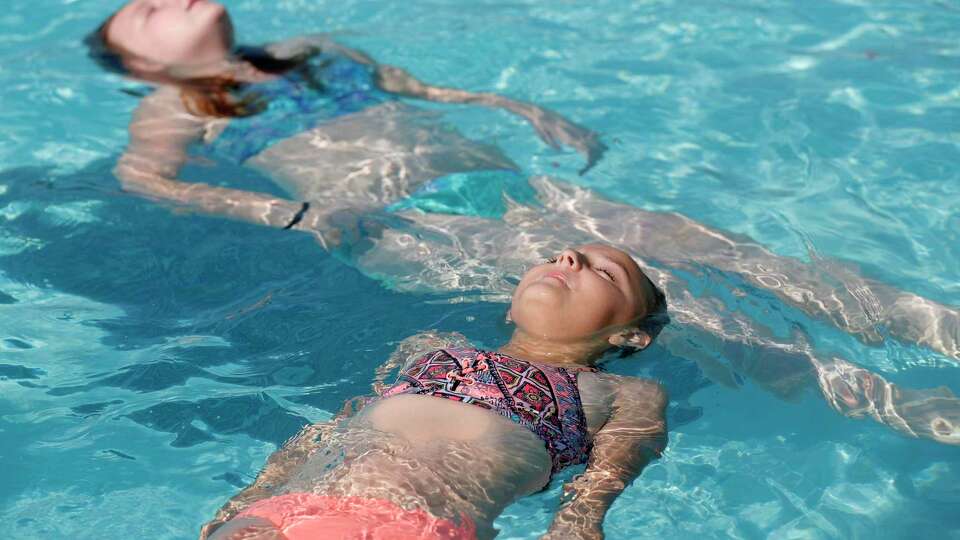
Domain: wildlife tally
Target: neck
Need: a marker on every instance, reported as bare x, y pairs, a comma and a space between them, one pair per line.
542, 350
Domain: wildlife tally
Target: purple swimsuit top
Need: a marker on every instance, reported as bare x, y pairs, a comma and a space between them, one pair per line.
543, 398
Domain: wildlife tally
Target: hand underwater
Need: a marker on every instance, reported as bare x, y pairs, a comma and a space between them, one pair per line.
555, 129
346, 228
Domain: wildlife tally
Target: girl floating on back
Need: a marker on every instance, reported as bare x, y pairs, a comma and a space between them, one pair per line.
320, 119
464, 432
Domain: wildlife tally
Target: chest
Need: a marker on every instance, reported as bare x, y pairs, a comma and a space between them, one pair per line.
542, 398
326, 88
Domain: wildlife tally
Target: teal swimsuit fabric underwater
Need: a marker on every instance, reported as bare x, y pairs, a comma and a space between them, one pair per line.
327, 86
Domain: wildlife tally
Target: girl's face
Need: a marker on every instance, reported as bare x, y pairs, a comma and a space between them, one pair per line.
172, 32
580, 294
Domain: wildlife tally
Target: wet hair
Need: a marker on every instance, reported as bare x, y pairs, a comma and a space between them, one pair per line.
653, 322
216, 96
102, 54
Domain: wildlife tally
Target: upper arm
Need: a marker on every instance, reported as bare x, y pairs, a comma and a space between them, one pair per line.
160, 132
306, 45
636, 431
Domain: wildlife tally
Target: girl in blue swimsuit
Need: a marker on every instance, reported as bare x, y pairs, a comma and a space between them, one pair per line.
464, 432
321, 119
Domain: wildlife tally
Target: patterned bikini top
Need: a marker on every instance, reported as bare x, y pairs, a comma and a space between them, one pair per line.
545, 399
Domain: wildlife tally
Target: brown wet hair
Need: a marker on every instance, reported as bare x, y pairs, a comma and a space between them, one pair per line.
653, 321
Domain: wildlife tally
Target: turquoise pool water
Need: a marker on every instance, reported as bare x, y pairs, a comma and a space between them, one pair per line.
151, 361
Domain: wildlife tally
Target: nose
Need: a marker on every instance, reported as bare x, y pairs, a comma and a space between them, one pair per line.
571, 259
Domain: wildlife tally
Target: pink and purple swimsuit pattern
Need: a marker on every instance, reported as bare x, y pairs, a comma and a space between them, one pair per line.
544, 399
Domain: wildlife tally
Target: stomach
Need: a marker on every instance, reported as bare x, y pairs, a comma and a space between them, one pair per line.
449, 458
423, 422
374, 157
422, 419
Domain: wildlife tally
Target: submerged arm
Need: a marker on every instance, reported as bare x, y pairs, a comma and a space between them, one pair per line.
159, 135
635, 435
553, 128
280, 465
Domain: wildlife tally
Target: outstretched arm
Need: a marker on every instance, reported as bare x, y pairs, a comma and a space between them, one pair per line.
159, 135
635, 434
550, 126
160, 132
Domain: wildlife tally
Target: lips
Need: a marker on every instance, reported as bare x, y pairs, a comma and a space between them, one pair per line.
559, 276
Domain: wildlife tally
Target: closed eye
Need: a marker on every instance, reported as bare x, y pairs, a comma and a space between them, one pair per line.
607, 272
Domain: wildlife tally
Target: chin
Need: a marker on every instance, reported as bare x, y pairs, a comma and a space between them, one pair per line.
541, 295
535, 310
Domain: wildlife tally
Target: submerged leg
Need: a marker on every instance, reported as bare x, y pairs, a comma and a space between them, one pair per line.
829, 290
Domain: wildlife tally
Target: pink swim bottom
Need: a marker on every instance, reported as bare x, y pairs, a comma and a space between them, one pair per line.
305, 516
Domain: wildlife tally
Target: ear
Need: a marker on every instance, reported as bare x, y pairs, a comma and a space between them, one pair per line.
633, 338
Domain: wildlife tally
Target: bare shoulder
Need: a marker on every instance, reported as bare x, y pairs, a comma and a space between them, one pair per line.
165, 99
164, 107
413, 347
425, 342
162, 119
301, 45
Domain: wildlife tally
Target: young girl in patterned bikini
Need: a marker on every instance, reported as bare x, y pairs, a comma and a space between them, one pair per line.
465, 432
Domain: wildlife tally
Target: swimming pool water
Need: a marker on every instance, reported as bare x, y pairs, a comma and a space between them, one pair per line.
151, 360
